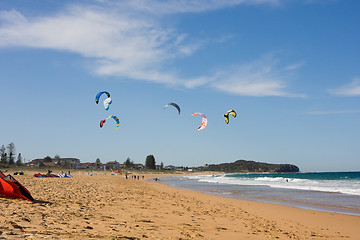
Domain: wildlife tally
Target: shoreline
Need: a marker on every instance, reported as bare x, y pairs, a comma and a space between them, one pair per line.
286, 216
112, 207
289, 214
230, 192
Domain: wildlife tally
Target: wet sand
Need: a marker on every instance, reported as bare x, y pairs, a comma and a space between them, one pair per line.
112, 207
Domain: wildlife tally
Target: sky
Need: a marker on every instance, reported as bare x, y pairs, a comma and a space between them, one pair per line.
290, 69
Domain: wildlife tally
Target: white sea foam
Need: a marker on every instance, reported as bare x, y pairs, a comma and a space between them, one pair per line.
340, 186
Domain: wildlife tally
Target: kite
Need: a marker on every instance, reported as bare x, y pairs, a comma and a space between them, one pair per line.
174, 105
226, 115
102, 122
107, 101
116, 120
10, 187
204, 121
113, 117
99, 94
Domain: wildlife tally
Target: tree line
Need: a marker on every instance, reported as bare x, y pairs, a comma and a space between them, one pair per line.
150, 162
8, 154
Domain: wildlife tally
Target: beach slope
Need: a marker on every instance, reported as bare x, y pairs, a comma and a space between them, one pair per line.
112, 207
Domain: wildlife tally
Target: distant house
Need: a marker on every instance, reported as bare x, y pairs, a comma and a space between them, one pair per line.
113, 165
48, 164
69, 162
138, 166
91, 166
36, 163
63, 162
170, 167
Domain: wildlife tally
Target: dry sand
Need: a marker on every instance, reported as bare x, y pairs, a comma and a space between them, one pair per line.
111, 207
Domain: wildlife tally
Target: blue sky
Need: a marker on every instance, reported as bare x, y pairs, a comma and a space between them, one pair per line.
290, 69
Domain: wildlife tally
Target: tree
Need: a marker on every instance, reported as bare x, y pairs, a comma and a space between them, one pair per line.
3, 155
128, 163
19, 160
47, 159
98, 161
11, 151
150, 162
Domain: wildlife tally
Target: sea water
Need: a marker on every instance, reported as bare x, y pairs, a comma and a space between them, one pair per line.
324, 191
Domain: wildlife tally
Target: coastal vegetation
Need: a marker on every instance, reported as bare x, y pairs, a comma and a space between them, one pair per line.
250, 166
150, 162
8, 160
7, 156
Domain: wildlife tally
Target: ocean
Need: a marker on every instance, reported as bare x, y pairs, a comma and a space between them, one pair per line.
337, 192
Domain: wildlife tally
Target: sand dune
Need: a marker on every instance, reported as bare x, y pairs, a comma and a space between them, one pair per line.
111, 207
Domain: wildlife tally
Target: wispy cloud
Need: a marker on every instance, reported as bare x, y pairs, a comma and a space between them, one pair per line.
295, 66
260, 78
160, 7
332, 112
119, 44
120, 41
352, 89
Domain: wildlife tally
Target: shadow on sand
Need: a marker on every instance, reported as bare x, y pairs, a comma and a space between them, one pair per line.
42, 202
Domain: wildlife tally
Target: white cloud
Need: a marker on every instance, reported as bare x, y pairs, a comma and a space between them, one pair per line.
352, 89
260, 78
119, 43
122, 42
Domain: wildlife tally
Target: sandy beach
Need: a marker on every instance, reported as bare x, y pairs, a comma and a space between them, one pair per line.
112, 207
